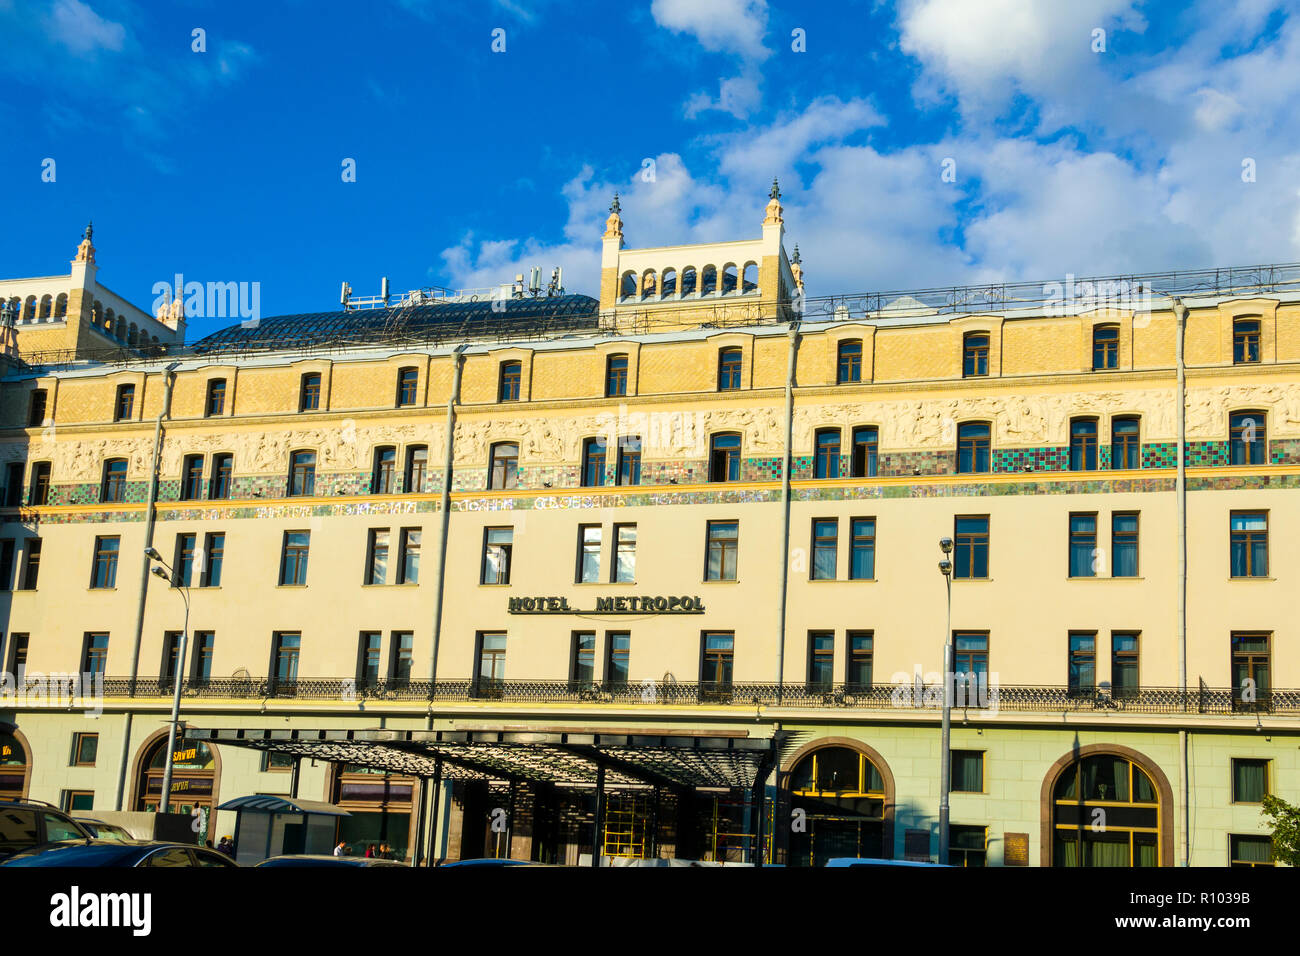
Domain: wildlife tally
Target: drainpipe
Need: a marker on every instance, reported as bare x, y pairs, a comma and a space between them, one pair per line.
1180, 312
149, 513
785, 503
458, 360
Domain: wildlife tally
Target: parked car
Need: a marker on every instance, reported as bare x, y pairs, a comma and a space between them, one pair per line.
116, 853
105, 831
856, 861
312, 859
28, 823
489, 861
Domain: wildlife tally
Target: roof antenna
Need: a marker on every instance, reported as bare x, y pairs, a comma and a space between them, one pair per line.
345, 295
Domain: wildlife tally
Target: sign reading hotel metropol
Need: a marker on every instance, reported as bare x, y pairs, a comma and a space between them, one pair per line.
642, 604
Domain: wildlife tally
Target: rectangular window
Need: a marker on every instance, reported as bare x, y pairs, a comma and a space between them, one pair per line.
967, 846
31, 564
721, 550
13, 484
383, 477
1250, 850
1105, 347
1083, 444
821, 661
214, 554
8, 549
417, 467
1125, 448
192, 478
971, 547
85, 747
503, 473
511, 377
862, 553
408, 380
491, 675
716, 667
615, 376
624, 570
1249, 781
216, 397
1124, 665
302, 473
970, 653
18, 654
40, 489
729, 363
1083, 545
114, 487
369, 657
724, 458
629, 460
94, 655
288, 646
1251, 670
1124, 544
498, 543
125, 403
171, 656
1245, 342
617, 671
1248, 538
104, 572
589, 540
1082, 664
78, 800
826, 461
975, 362
377, 557
974, 447
1247, 438
967, 771
582, 670
183, 563
825, 545
849, 364
593, 462
866, 446
858, 672
408, 558
36, 410
309, 400
219, 484
201, 664
401, 657
293, 563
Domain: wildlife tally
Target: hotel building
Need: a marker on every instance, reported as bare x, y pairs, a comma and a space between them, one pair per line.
657, 573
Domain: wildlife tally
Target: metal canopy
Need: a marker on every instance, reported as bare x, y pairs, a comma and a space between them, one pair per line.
273, 803
562, 759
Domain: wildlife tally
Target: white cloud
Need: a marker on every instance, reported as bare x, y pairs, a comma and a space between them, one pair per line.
738, 95
81, 29
720, 26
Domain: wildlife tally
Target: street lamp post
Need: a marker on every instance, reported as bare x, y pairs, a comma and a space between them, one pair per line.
945, 756
164, 802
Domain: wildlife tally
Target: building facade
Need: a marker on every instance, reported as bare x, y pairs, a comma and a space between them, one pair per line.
702, 508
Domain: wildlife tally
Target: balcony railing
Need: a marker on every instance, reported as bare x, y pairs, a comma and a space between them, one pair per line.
880, 697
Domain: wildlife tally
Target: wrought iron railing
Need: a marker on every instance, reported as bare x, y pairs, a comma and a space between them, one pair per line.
1015, 698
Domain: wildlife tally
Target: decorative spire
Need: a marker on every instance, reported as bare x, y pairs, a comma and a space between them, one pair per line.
614, 224
796, 260
86, 251
772, 216
796, 269
776, 190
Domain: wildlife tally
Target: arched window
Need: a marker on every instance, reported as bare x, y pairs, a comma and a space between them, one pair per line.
709, 280
689, 280
302, 473
729, 365
729, 278
842, 795
724, 457
649, 284
14, 768
975, 354
848, 365
29, 309
47, 304
1113, 789
1247, 438
1083, 444
627, 286
1245, 342
749, 279
133, 334
384, 473
61, 306
512, 374
1105, 347
668, 286
109, 318
194, 772
503, 470
974, 447
826, 462
408, 379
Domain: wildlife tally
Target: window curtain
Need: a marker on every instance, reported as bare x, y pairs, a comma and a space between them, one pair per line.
1248, 782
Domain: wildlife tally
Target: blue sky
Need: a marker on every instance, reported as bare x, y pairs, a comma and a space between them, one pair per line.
225, 165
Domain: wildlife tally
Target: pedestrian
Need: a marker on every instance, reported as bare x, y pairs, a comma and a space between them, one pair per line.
384, 852
370, 851
226, 846
341, 849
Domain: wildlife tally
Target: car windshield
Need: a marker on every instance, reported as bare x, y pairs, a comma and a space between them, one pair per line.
107, 831
74, 854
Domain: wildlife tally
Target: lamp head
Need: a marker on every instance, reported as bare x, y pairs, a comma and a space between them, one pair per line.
152, 554
161, 573
945, 545
945, 567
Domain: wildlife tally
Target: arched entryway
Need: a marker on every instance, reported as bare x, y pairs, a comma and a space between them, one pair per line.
195, 772
15, 766
380, 805
841, 801
1104, 805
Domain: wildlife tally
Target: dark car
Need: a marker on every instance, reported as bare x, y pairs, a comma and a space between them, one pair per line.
25, 824
311, 859
116, 853
105, 831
